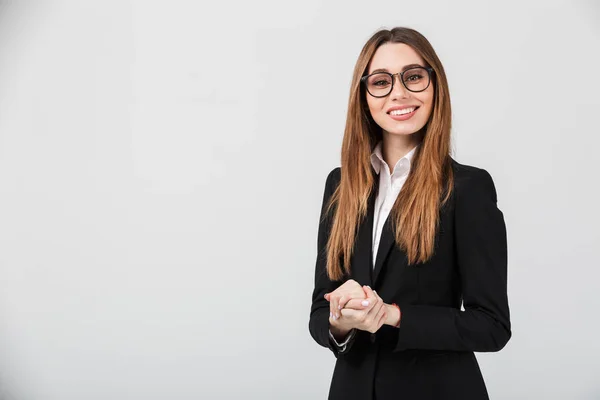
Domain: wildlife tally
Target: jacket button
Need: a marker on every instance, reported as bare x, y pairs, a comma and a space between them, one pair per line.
373, 337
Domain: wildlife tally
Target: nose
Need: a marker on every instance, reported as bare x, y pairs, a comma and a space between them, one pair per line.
398, 89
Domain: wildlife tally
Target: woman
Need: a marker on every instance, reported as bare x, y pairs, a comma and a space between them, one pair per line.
406, 235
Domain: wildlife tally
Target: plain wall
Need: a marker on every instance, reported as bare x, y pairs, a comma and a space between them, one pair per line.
162, 162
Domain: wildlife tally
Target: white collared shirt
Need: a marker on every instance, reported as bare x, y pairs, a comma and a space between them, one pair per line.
389, 188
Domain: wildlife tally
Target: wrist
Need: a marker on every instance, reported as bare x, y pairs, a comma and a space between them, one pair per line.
338, 332
394, 315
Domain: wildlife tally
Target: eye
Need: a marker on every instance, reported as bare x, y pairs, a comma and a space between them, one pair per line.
413, 78
381, 83
379, 80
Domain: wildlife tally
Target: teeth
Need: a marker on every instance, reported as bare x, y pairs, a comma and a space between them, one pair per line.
403, 111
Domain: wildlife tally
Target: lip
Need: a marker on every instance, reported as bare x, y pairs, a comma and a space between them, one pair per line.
400, 108
403, 117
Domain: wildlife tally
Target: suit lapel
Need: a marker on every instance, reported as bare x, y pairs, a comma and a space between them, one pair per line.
363, 264
363, 270
385, 244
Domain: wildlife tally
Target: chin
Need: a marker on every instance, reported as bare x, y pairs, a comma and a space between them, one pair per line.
402, 128
404, 131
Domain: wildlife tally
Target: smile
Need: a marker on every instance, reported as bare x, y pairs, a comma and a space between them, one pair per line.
403, 114
403, 111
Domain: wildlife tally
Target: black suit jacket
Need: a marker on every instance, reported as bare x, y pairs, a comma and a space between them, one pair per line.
431, 355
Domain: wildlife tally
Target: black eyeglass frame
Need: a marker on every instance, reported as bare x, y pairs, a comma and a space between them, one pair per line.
401, 77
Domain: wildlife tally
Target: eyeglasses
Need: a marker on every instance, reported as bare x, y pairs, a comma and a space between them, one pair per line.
380, 84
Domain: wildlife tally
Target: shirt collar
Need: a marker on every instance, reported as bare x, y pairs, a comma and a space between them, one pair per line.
377, 158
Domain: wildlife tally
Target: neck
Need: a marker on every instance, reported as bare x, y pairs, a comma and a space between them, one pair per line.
394, 147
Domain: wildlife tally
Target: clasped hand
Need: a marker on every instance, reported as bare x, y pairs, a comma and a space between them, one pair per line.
354, 306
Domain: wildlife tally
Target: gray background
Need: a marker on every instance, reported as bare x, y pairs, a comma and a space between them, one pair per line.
162, 162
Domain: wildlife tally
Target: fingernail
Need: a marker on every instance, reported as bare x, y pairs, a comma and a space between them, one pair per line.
369, 286
339, 307
335, 317
330, 315
365, 303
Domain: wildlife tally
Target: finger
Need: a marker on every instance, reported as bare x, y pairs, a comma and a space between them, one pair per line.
378, 298
374, 319
332, 321
363, 319
374, 302
344, 300
370, 295
330, 299
357, 304
334, 314
372, 316
369, 292
331, 309
350, 314
327, 295
358, 318
333, 305
337, 309
381, 319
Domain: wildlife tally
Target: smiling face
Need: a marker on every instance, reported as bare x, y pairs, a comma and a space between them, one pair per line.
393, 58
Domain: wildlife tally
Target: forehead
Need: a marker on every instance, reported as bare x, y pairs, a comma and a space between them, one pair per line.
393, 57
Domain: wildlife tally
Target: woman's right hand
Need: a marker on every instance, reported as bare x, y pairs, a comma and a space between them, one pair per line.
340, 327
370, 315
339, 297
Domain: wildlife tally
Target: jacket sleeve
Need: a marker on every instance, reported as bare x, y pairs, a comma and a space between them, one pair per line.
319, 312
481, 256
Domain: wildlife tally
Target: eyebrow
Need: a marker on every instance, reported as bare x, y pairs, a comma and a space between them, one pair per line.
403, 68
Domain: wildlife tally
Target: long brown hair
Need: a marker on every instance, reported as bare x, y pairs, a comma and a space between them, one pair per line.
415, 214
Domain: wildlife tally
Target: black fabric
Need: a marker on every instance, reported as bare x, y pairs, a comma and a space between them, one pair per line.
431, 355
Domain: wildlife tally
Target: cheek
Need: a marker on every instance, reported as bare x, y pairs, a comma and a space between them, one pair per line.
427, 101
375, 105
429, 97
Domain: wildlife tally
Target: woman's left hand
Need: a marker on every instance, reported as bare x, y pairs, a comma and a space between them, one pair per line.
369, 317
393, 314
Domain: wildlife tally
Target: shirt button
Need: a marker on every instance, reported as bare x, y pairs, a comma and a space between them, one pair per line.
373, 338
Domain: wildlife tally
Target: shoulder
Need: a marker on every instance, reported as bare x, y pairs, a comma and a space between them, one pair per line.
473, 182
331, 183
333, 179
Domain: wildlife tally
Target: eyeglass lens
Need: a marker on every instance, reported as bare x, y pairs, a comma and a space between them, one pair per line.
414, 79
